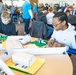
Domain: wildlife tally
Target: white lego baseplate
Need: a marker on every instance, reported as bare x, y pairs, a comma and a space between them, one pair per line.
23, 59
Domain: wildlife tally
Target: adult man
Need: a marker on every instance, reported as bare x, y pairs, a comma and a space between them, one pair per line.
27, 14
2, 8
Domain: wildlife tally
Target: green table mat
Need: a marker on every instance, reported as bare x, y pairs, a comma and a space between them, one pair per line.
3, 38
39, 44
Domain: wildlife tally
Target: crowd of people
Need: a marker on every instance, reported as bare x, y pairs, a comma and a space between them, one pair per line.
58, 21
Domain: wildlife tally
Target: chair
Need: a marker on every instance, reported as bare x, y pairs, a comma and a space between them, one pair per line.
74, 24
72, 20
38, 30
17, 32
15, 18
72, 51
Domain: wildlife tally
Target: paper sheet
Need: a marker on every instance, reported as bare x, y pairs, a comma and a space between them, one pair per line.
6, 68
9, 44
5, 55
13, 44
40, 51
14, 37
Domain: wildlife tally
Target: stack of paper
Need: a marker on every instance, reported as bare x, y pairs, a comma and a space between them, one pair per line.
32, 69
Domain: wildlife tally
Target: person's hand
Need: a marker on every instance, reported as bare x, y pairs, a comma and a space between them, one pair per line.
50, 43
56, 44
32, 19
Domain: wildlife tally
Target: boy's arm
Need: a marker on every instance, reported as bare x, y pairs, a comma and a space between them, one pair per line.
0, 27
13, 31
56, 44
51, 41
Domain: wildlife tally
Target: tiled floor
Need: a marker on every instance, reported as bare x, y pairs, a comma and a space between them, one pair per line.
20, 28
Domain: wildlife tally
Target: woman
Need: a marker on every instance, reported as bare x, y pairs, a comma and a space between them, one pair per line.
49, 16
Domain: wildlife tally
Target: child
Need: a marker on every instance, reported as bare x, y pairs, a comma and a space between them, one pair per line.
6, 26
64, 33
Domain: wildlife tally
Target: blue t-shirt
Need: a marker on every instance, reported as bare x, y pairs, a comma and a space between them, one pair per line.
12, 9
25, 10
35, 10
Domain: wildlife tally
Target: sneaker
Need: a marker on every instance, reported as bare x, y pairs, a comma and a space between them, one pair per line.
24, 33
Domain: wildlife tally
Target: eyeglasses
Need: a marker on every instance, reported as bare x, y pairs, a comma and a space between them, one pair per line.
55, 25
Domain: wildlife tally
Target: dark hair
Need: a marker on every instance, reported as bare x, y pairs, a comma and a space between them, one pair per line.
67, 11
0, 0
61, 16
45, 8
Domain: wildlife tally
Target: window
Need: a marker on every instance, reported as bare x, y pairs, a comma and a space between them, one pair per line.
18, 3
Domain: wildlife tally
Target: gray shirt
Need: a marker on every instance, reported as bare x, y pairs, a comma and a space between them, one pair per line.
2, 7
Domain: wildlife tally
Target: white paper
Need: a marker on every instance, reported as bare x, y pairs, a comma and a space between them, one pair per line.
40, 51
14, 37
5, 57
10, 44
25, 39
6, 68
23, 59
1, 46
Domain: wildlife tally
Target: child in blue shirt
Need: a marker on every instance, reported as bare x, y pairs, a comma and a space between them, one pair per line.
27, 15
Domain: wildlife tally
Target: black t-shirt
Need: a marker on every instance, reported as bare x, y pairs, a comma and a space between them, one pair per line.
41, 17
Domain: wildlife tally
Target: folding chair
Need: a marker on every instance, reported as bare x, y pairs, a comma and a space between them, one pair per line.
15, 19
38, 30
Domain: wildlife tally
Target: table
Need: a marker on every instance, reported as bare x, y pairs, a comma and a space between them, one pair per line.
57, 64
54, 65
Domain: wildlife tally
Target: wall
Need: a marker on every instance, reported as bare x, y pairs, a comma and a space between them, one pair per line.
56, 1
20, 2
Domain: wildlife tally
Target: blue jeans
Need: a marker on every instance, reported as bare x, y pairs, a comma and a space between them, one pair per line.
26, 28
49, 31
